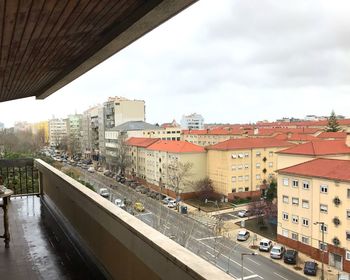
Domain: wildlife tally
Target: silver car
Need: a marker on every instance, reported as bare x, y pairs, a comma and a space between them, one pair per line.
277, 252
243, 235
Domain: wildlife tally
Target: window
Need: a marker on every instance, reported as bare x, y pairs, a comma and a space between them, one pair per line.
305, 239
347, 255
240, 166
270, 164
322, 246
234, 156
285, 216
348, 235
285, 182
240, 155
348, 193
258, 177
348, 214
246, 177
246, 189
306, 185
323, 228
305, 222
240, 189
234, 167
270, 154
246, 166
258, 154
246, 155
285, 232
294, 236
285, 199
295, 201
258, 165
323, 208
295, 219
233, 178
295, 183
234, 190
305, 203
324, 189
240, 178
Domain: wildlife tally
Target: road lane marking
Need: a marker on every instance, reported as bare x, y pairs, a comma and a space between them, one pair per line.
280, 276
208, 238
213, 256
253, 261
252, 276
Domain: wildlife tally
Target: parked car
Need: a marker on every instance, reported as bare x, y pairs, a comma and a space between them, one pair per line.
104, 192
91, 169
106, 172
244, 213
172, 204
290, 257
144, 190
166, 200
265, 245
310, 268
277, 252
243, 235
139, 188
138, 206
120, 203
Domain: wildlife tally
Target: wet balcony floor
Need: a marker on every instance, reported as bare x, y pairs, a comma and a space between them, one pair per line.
38, 247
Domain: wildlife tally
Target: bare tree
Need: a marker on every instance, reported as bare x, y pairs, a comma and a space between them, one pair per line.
122, 159
179, 175
204, 188
258, 208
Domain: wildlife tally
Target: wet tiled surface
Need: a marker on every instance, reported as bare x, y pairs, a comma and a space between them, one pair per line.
38, 249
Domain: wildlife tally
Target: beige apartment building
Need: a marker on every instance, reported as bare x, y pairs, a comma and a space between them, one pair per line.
239, 167
207, 137
138, 155
163, 133
314, 200
336, 149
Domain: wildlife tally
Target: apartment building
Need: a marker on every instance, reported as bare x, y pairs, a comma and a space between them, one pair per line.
240, 167
314, 210
164, 133
74, 131
192, 121
57, 132
138, 155
337, 149
207, 137
41, 128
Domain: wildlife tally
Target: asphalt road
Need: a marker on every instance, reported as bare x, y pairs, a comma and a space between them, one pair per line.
195, 236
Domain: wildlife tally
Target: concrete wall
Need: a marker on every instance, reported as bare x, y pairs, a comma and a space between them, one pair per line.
125, 247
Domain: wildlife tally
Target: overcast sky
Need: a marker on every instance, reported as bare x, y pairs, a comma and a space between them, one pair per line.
234, 61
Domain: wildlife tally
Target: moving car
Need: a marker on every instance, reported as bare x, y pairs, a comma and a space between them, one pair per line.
138, 206
243, 213
290, 257
277, 252
265, 245
243, 235
310, 268
120, 203
104, 192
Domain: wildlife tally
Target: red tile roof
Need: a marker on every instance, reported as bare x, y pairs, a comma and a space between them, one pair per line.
319, 148
248, 143
323, 168
141, 141
295, 137
176, 147
335, 135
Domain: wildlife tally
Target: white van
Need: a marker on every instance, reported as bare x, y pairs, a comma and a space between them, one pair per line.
265, 245
119, 203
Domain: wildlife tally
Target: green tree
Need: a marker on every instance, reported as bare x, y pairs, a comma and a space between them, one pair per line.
271, 192
333, 125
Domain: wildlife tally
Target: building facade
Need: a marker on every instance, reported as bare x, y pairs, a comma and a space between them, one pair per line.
241, 167
192, 121
313, 210
58, 133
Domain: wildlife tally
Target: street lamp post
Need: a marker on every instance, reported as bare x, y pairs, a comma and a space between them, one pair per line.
322, 226
242, 267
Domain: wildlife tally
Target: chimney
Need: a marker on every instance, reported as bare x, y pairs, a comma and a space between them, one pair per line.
347, 140
256, 131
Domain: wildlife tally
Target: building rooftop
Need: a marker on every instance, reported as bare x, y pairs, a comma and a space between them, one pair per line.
319, 148
141, 141
134, 125
176, 147
335, 135
248, 143
332, 169
295, 137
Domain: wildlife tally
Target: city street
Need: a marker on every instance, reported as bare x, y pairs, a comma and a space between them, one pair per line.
201, 239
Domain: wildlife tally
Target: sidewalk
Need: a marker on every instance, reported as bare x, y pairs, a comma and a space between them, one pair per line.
232, 230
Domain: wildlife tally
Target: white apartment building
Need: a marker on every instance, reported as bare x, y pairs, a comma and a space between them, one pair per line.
192, 121
126, 110
57, 131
